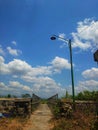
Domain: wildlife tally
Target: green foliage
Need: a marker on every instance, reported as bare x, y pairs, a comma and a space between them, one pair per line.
56, 111
95, 125
9, 96
44, 101
67, 95
26, 95
62, 125
87, 95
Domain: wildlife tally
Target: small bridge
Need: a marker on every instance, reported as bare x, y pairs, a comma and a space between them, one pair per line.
25, 106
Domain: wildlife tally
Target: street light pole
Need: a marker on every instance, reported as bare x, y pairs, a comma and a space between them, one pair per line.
72, 74
71, 62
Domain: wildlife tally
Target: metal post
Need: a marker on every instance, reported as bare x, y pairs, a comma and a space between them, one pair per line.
71, 62
72, 75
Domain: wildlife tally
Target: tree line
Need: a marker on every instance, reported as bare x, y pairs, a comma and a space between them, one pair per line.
14, 96
85, 95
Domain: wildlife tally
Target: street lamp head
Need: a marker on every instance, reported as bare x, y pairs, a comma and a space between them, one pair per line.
53, 38
96, 56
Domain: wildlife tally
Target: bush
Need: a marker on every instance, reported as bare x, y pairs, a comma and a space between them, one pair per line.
95, 125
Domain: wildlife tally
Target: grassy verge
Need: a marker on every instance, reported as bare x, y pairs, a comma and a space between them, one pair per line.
12, 123
66, 119
79, 121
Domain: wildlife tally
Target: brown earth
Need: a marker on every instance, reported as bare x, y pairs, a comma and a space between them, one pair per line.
40, 119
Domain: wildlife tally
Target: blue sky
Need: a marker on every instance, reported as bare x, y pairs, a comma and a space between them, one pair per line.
31, 63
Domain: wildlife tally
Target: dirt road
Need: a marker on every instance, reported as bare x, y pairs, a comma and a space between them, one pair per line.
40, 118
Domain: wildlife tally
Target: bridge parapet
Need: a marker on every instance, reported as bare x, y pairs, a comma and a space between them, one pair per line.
19, 106
35, 97
53, 98
35, 101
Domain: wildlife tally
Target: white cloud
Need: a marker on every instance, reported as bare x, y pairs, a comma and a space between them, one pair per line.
47, 87
90, 85
2, 85
27, 88
15, 84
1, 60
43, 86
18, 67
14, 88
18, 85
86, 36
3, 67
91, 82
37, 76
90, 73
77, 42
22, 68
15, 67
2, 51
13, 52
14, 43
59, 64
62, 36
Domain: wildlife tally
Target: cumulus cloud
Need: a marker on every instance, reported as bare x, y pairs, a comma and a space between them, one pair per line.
2, 51
15, 67
79, 43
2, 85
42, 86
62, 36
14, 43
3, 88
47, 87
22, 68
18, 66
91, 82
13, 52
14, 88
37, 76
3, 67
59, 64
86, 36
17, 85
90, 73
90, 85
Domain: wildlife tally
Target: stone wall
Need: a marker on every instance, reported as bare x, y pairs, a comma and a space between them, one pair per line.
15, 107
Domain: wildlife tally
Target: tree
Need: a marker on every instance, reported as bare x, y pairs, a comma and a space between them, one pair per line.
26, 95
9, 96
87, 95
67, 95
80, 96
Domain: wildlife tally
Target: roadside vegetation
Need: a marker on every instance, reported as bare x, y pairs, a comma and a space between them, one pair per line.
12, 123
14, 96
76, 120
64, 116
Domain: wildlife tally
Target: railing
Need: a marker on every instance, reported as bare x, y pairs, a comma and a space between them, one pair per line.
86, 106
52, 102
19, 106
35, 101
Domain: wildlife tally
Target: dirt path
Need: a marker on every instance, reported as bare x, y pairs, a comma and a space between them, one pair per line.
40, 118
